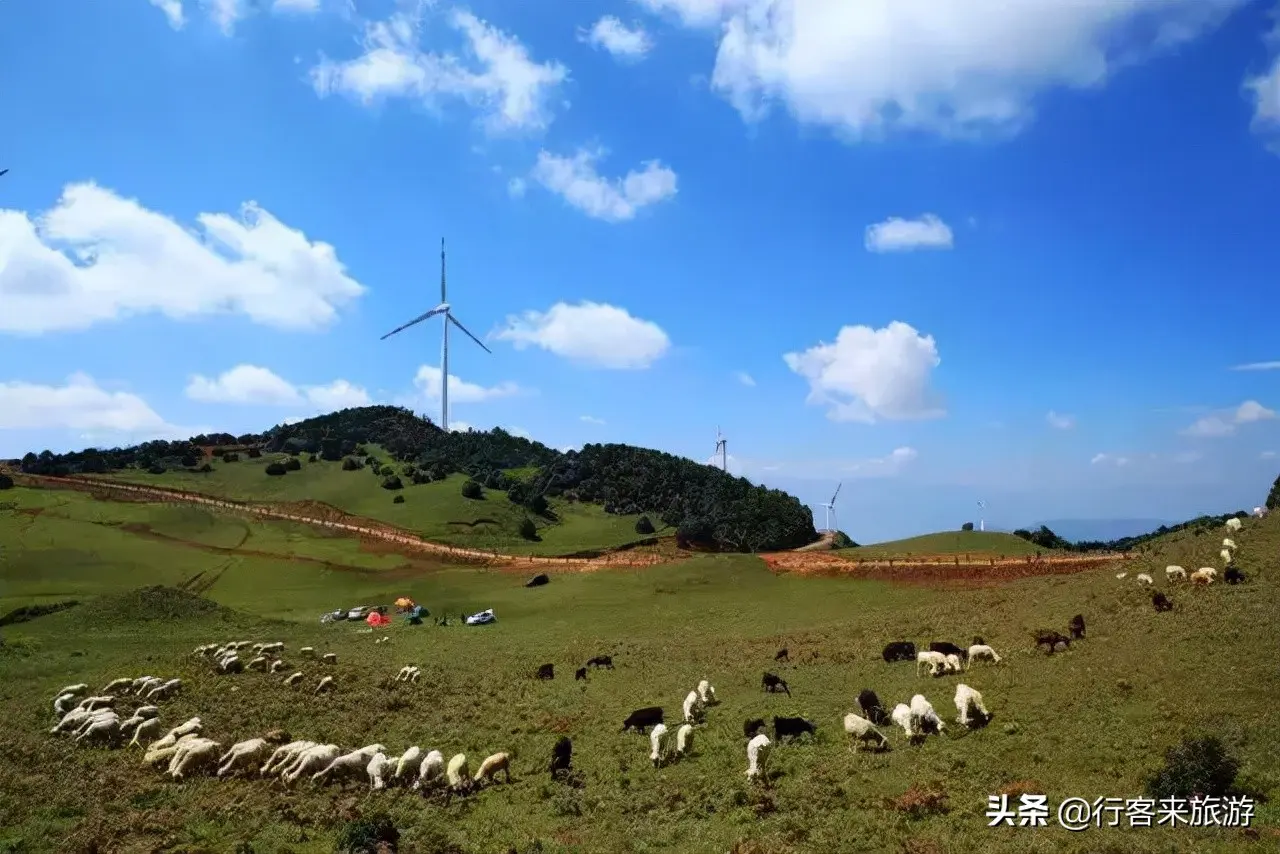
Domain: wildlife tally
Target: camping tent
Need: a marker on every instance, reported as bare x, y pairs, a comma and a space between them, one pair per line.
375, 619
415, 615
404, 603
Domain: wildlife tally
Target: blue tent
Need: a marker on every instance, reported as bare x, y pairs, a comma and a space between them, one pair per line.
415, 615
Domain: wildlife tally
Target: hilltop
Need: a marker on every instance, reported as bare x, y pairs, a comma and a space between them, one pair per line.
484, 488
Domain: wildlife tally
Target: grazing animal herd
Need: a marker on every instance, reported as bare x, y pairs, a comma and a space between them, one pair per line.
1205, 575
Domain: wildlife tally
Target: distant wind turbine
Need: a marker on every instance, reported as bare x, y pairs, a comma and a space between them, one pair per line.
831, 507
722, 448
982, 524
445, 312
4, 172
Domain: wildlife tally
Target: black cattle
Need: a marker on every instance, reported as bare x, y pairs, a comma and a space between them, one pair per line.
1161, 602
782, 655
792, 727
772, 682
580, 673
642, 719
537, 581
546, 671
871, 708
1234, 575
561, 756
947, 648
1076, 627
605, 661
900, 651
1052, 640
751, 727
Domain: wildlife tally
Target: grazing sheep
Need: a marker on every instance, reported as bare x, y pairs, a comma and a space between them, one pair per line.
431, 769
969, 705
869, 703
326, 685
899, 651
751, 727
537, 581
937, 661
1234, 575
121, 685
954, 664
145, 730
307, 652
456, 774
901, 715
490, 767
1227, 543
580, 673
281, 757
293, 679
156, 755
692, 707
546, 671
104, 729
378, 770
1259, 512
1173, 572
405, 673
782, 655
243, 754
63, 703
191, 726
926, 718
1161, 602
70, 721
982, 652
165, 690
758, 750
947, 648
1121, 574
791, 727
707, 693
561, 756
408, 763
277, 665
1076, 627
201, 754
348, 764
143, 683
772, 682
1143, 578
1204, 575
684, 740
978, 640
259, 663
657, 744
1233, 524
1225, 554
863, 732
329, 658
92, 704
231, 664
311, 761
642, 719
74, 690
605, 661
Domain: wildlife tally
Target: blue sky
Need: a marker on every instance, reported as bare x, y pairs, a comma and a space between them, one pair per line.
937, 250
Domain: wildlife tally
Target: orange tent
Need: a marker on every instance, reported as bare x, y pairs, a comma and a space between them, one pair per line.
375, 619
404, 603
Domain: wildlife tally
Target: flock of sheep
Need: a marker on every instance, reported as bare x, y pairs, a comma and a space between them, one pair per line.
1203, 576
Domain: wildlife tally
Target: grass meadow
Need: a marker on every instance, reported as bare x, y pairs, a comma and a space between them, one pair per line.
976, 544
1091, 722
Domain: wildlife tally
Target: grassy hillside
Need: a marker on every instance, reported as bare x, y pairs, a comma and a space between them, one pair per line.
1092, 722
974, 543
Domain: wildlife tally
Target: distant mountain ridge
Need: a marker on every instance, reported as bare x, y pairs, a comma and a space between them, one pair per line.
1101, 530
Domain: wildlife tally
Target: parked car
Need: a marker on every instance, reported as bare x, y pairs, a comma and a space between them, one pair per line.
359, 612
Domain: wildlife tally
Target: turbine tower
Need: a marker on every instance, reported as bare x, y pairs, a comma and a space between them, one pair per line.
831, 507
982, 523
722, 448
446, 314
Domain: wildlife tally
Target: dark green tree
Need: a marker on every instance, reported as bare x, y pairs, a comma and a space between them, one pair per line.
1273, 497
472, 490
967, 526
644, 525
528, 530
276, 469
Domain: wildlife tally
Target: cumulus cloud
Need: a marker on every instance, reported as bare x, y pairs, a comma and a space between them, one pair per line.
172, 10
251, 385
591, 419
1224, 422
225, 13
745, 378
609, 33
497, 75
1109, 459
97, 256
81, 404
295, 6
591, 333
576, 180
905, 235
1257, 366
460, 391
1060, 422
886, 466
869, 374
946, 66
1264, 91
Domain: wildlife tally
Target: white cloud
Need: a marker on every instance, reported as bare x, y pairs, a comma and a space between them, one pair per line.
97, 256
885, 466
946, 66
1109, 459
591, 419
172, 10
250, 385
516, 187
872, 374
509, 88
591, 333
628, 43
428, 382
745, 378
1264, 90
1267, 455
1225, 422
905, 235
304, 7
1258, 366
81, 404
1060, 422
460, 426
225, 13
610, 199
519, 431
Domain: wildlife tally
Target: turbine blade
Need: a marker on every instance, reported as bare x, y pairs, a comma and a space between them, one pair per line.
455, 322
440, 309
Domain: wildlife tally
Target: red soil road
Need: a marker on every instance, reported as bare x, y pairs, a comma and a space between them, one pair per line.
935, 568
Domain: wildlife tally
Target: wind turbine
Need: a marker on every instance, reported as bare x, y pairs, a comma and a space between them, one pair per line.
446, 313
831, 507
722, 448
982, 523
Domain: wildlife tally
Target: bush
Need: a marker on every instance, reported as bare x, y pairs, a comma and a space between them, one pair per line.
1194, 766
254, 453
292, 464
276, 469
6, 482
352, 464
472, 490
528, 530
188, 461
367, 835
967, 526
516, 494
312, 458
231, 457
644, 525
420, 477
1273, 497
538, 504
156, 469
399, 499
205, 469
392, 482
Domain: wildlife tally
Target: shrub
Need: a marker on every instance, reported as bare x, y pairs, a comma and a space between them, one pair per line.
292, 464
231, 457
967, 526
537, 503
276, 469
471, 489
368, 834
188, 461
399, 499
528, 530
392, 482
156, 469
420, 477
1194, 766
351, 464
1273, 497
205, 469
6, 482
644, 525
312, 458
516, 493
254, 453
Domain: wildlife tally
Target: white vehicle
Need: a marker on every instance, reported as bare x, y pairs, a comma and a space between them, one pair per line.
481, 618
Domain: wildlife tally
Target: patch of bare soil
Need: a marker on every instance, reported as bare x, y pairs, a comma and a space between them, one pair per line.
937, 569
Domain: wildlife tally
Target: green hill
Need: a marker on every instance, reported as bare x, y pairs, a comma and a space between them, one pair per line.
975, 543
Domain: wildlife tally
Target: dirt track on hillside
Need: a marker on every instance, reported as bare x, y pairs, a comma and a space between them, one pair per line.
932, 569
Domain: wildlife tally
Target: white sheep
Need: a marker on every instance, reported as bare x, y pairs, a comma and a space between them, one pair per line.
278, 665
156, 755
1259, 512
105, 729
408, 673
74, 690
71, 720
707, 693
293, 679
349, 764
259, 663
937, 661
144, 730
231, 664
1143, 578
969, 701
307, 652
684, 740
165, 690
922, 711
1225, 554
63, 703
92, 704
310, 761
188, 727
200, 754
431, 769
329, 658
692, 706
273, 648
863, 731
284, 755
457, 774
242, 754
1204, 575
1121, 574
1227, 543
1233, 524
145, 683
383, 639
95, 717
490, 767
982, 652
147, 711
758, 750
121, 685
378, 770
1174, 571
408, 763
901, 715
954, 664
657, 744
326, 684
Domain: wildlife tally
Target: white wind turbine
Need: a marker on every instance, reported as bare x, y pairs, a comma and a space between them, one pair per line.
982, 523
445, 312
722, 448
831, 507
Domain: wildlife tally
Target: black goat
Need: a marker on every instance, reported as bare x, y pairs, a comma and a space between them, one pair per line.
1052, 640
948, 648
785, 727
900, 651
871, 708
580, 673
751, 727
1076, 627
642, 719
546, 671
1161, 602
537, 581
561, 756
783, 655
772, 682
1234, 575
605, 661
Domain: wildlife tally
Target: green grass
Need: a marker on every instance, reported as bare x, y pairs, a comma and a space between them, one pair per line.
1088, 723
983, 544
436, 511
